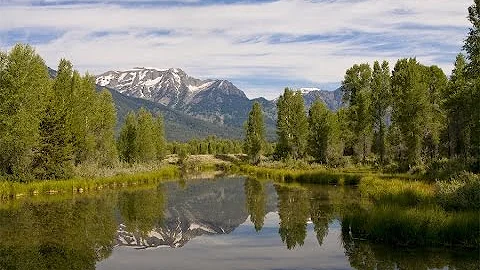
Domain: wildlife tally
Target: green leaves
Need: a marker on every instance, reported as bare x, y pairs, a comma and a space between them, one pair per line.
292, 126
141, 138
255, 143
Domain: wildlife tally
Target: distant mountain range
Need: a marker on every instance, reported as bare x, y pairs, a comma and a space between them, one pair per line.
218, 102
191, 107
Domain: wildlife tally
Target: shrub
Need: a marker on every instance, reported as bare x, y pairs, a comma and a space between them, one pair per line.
460, 192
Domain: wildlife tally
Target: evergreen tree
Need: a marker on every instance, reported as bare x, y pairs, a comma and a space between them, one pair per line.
145, 138
292, 125
127, 147
56, 129
255, 134
381, 102
54, 159
356, 94
324, 138
104, 122
24, 83
472, 47
472, 42
159, 138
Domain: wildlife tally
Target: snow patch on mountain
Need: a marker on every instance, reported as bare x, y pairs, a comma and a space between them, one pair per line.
306, 90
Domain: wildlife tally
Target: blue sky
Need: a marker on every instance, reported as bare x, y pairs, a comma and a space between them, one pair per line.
261, 46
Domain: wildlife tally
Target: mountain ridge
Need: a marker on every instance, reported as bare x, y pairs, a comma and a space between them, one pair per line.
213, 100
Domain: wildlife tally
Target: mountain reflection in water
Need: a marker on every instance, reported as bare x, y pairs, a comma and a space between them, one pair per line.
231, 223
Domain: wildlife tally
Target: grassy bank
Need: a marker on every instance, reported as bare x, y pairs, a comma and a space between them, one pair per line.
318, 176
419, 226
9, 190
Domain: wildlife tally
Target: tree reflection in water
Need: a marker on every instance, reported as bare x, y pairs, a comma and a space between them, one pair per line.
70, 234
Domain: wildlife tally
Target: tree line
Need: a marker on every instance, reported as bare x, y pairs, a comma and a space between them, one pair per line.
49, 126
405, 118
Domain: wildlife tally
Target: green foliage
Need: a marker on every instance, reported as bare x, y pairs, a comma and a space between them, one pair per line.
413, 227
381, 102
410, 109
356, 88
47, 127
293, 210
54, 159
141, 138
255, 143
324, 137
256, 200
105, 150
292, 126
70, 234
127, 147
210, 145
145, 140
142, 210
321, 213
461, 192
472, 43
24, 84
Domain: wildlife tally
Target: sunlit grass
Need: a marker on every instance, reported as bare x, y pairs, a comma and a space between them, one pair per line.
418, 226
9, 190
396, 191
317, 176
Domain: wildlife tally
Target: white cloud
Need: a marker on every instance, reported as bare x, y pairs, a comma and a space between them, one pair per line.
204, 40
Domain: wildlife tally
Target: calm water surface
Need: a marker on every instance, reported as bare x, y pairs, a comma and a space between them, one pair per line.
232, 223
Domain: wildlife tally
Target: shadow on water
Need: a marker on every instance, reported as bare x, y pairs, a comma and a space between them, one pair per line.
80, 232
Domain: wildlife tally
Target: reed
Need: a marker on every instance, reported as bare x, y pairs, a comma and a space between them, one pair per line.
424, 226
396, 191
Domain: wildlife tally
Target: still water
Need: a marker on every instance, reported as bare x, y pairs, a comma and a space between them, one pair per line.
231, 223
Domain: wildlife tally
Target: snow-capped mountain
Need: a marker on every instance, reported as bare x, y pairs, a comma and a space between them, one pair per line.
212, 100
206, 99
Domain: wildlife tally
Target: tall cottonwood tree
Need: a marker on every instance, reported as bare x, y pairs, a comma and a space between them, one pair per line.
457, 132
472, 48
356, 88
254, 145
381, 102
292, 125
24, 84
410, 109
436, 83
324, 134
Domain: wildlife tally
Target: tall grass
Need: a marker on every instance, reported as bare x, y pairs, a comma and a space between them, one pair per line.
396, 191
319, 176
9, 190
430, 226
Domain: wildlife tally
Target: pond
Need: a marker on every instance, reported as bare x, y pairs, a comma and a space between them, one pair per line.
226, 223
